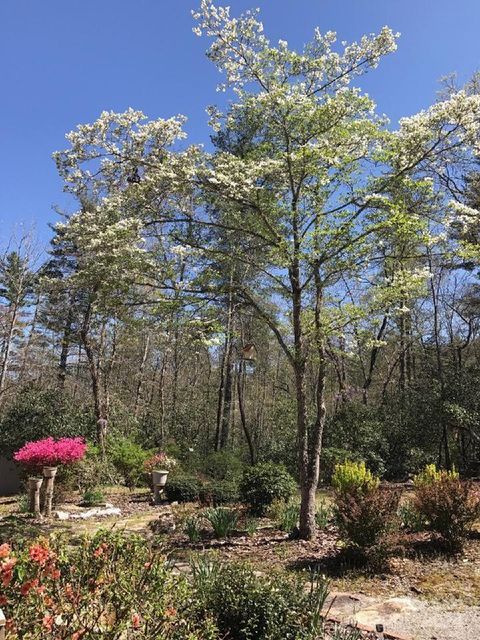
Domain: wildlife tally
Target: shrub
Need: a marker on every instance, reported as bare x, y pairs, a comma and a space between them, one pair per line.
364, 513
430, 474
353, 477
449, 505
330, 458
93, 497
192, 527
129, 459
91, 471
263, 484
182, 488
223, 521
38, 413
363, 520
50, 452
247, 606
221, 465
55, 590
219, 492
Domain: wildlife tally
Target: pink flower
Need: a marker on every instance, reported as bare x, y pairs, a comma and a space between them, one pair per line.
135, 621
39, 554
5, 550
49, 452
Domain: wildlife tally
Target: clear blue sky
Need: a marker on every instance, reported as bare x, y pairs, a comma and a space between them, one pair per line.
64, 61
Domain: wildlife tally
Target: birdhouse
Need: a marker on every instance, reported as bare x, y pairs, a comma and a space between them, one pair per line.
249, 352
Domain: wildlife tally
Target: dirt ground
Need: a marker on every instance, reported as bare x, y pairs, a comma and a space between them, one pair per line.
419, 593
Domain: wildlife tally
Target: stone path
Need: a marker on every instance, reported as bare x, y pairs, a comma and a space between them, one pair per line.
407, 617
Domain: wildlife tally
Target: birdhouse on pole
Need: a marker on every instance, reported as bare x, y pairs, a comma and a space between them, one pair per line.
249, 352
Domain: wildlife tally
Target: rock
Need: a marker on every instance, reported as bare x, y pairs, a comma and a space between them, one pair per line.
96, 512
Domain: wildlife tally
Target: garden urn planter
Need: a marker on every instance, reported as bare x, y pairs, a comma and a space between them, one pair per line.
49, 473
159, 480
34, 485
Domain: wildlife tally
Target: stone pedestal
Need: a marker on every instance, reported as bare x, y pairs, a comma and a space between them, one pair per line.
34, 485
49, 474
159, 480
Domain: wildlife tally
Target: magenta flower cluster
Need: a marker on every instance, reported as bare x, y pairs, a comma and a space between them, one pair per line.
50, 453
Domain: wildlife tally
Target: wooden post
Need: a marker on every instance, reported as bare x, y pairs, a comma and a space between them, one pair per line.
34, 485
3, 622
49, 473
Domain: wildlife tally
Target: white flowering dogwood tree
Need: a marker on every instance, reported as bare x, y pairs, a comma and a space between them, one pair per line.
308, 194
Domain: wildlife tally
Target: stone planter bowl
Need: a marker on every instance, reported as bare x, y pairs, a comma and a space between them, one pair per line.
159, 478
49, 472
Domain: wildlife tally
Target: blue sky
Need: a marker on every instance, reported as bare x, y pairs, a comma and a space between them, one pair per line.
64, 61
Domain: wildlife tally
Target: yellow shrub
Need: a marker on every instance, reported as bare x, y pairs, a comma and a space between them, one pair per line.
431, 474
354, 477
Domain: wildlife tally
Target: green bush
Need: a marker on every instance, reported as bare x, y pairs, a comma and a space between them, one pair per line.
263, 484
246, 606
330, 458
410, 518
219, 492
223, 465
182, 488
93, 497
223, 521
38, 413
129, 458
449, 505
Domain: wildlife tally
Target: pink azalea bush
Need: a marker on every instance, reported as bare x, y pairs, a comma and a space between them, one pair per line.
50, 453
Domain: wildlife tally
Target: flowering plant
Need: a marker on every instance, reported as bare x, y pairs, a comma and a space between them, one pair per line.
50, 452
49, 589
159, 461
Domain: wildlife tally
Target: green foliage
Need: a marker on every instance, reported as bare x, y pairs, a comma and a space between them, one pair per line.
264, 483
353, 478
218, 492
93, 497
223, 465
251, 526
223, 521
192, 527
449, 505
129, 458
182, 488
410, 518
23, 503
246, 606
331, 457
359, 429
38, 413
323, 514
289, 517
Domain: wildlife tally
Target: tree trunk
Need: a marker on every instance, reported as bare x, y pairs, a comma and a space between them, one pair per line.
7, 345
